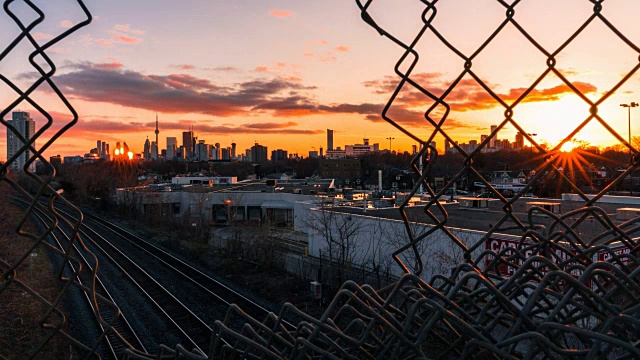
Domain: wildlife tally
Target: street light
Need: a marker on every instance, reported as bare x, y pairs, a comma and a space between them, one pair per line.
390, 138
629, 106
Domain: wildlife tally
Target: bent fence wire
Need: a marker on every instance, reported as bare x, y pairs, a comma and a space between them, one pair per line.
560, 292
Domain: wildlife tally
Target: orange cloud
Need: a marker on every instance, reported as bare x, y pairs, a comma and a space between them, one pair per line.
342, 48
281, 13
467, 94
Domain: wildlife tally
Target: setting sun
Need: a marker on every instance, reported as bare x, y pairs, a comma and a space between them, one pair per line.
568, 147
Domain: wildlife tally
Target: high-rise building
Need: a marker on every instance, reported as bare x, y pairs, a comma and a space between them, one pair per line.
154, 150
187, 143
321, 152
172, 147
447, 146
258, 153
226, 154
233, 150
146, 153
492, 142
26, 128
519, 141
329, 140
202, 151
278, 155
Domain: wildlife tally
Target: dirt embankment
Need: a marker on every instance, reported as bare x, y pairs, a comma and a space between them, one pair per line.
21, 313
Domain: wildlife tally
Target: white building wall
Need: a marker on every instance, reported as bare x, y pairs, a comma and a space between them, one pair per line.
377, 239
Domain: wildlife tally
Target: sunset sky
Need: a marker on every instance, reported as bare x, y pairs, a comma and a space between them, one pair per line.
282, 72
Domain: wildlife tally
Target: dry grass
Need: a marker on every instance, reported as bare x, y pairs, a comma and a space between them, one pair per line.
20, 312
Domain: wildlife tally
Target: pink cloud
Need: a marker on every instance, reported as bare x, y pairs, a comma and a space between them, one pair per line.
342, 48
121, 27
125, 39
281, 13
183, 67
127, 29
67, 24
42, 36
113, 65
104, 42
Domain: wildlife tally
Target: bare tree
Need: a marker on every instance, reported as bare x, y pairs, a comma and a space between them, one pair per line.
342, 238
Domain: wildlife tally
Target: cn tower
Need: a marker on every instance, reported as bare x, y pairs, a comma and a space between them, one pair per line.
157, 132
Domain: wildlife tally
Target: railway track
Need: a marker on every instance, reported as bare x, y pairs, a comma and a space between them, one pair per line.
204, 292
121, 336
203, 281
191, 331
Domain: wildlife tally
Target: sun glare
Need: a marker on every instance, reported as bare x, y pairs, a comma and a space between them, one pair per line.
568, 147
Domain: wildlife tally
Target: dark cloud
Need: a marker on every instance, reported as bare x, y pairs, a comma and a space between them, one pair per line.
284, 128
175, 93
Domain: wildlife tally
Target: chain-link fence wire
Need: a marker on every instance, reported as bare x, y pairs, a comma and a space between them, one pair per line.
560, 292
556, 294
73, 274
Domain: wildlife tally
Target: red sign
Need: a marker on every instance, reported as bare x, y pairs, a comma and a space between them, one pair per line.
497, 245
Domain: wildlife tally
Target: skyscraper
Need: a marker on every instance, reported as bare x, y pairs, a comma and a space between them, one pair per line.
154, 150
329, 140
172, 145
492, 142
25, 127
233, 150
187, 143
146, 153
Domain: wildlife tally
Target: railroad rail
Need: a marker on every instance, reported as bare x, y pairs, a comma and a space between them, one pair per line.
121, 335
190, 273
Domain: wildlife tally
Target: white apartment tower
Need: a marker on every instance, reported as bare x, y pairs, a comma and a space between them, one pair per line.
172, 146
26, 127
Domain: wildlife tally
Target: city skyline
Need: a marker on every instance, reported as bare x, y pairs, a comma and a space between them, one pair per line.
312, 67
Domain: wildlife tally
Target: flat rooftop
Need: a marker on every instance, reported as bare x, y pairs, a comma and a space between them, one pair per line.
483, 219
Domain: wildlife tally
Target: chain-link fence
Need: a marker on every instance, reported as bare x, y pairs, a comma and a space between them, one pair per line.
558, 292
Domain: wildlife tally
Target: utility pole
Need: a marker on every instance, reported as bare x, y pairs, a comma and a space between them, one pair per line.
629, 106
